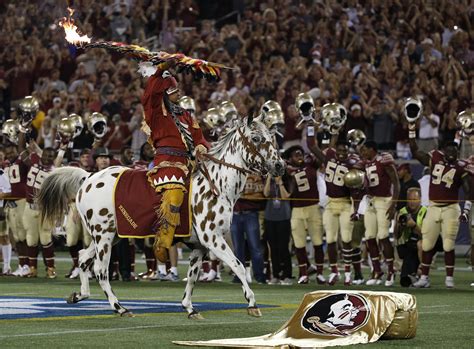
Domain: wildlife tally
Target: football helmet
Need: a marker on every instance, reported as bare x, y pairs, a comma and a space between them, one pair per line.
269, 105
354, 178
188, 104
412, 110
76, 120
66, 128
305, 105
10, 130
213, 118
465, 121
334, 116
28, 107
97, 125
356, 137
228, 111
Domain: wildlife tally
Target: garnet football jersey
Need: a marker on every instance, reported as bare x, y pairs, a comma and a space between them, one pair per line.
36, 176
17, 172
378, 179
335, 171
446, 178
306, 184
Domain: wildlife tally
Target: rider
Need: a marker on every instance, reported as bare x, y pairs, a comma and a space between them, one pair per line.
177, 139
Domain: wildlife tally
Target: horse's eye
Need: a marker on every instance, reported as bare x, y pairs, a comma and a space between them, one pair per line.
256, 139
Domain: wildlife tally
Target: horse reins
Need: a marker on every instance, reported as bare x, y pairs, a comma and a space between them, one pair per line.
205, 171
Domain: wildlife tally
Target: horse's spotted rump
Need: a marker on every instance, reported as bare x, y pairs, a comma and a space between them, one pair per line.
196, 197
98, 228
221, 222
103, 211
221, 210
101, 255
98, 238
88, 187
99, 185
203, 224
79, 196
212, 226
198, 209
211, 215
106, 248
89, 213
206, 237
223, 247
214, 238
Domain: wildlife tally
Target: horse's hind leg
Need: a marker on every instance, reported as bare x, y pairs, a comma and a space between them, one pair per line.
103, 248
195, 262
86, 258
222, 251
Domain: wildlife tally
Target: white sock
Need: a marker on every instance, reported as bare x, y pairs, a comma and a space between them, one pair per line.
162, 269
7, 256
174, 270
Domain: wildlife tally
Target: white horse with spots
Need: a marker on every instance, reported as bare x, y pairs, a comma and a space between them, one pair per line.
246, 148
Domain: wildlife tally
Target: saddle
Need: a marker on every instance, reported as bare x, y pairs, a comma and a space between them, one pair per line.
136, 204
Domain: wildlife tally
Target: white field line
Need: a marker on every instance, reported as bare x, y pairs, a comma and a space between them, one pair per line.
115, 329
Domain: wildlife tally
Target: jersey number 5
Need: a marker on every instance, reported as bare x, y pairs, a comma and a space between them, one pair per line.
301, 181
35, 178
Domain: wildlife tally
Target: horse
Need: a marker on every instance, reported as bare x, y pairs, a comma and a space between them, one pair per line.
246, 148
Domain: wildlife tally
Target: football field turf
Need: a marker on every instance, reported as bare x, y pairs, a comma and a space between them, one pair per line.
446, 317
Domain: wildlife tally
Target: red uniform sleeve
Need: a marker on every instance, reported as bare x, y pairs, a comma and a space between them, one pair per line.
153, 95
196, 132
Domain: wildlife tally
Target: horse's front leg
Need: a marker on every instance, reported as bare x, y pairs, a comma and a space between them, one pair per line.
221, 249
195, 262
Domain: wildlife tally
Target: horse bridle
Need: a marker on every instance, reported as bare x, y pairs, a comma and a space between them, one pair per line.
250, 147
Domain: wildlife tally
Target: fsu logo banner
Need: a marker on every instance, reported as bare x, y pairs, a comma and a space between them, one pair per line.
336, 318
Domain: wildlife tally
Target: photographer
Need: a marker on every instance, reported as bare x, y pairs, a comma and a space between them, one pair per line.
408, 235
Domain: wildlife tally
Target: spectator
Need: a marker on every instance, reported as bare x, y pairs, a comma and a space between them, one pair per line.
429, 125
406, 182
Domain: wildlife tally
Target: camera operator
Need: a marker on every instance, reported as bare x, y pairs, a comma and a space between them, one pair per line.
408, 235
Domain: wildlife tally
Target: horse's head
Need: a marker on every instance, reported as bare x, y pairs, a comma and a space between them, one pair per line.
260, 153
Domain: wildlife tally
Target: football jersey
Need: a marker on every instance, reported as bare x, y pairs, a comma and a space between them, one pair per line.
306, 184
379, 183
17, 172
36, 176
335, 171
446, 178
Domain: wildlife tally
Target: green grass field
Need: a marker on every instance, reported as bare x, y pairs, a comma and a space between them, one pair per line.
446, 317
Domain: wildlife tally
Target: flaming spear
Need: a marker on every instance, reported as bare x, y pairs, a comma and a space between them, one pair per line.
149, 61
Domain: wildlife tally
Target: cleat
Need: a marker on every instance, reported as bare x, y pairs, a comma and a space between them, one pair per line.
25, 270
320, 279
333, 278
74, 273
172, 277
390, 280
211, 276
7, 272
149, 275
286, 282
303, 280
133, 276
18, 271
33, 272
347, 279
472, 284
358, 281
51, 273
274, 281
376, 279
161, 277
423, 282
449, 282
203, 277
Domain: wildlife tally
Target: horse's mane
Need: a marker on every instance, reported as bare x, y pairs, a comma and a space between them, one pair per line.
223, 142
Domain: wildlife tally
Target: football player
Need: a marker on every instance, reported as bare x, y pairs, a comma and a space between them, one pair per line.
383, 190
448, 175
306, 216
339, 209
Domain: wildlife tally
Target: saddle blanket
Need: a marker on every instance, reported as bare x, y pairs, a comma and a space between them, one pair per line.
136, 203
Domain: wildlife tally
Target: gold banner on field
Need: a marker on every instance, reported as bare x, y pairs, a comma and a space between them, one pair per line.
336, 318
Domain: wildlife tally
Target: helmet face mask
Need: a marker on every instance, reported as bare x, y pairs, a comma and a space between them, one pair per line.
413, 109
76, 121
334, 116
10, 130
356, 138
465, 122
187, 103
98, 125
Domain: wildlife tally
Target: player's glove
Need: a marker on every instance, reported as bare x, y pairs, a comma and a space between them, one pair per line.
464, 217
355, 217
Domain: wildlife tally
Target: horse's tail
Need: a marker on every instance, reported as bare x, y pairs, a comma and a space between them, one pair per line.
58, 190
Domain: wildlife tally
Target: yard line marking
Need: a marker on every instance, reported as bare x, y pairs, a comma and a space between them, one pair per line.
446, 312
125, 329
19, 293
437, 306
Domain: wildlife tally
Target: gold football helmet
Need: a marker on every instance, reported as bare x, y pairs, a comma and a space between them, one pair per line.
76, 120
188, 104
10, 130
354, 178
269, 105
334, 116
66, 128
29, 104
412, 110
356, 137
465, 121
213, 118
228, 111
305, 105
97, 125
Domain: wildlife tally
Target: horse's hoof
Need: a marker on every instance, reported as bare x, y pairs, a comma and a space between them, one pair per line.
254, 311
74, 298
127, 313
195, 315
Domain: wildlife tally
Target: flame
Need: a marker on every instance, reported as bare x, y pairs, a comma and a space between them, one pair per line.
72, 36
